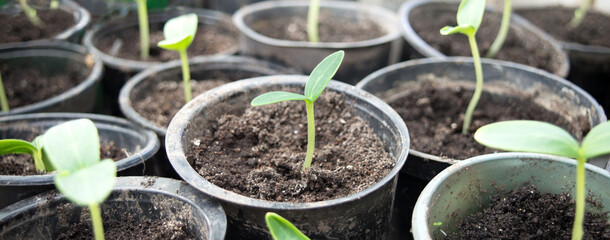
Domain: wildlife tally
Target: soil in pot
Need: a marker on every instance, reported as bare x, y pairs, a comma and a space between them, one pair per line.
330, 28
19, 29
260, 153
525, 213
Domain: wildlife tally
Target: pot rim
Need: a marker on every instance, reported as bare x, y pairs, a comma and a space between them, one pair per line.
173, 143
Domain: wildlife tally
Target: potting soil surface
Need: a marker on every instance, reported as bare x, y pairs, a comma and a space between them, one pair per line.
525, 213
19, 28
260, 154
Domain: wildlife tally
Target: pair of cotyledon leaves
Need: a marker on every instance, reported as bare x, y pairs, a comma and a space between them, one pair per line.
179, 32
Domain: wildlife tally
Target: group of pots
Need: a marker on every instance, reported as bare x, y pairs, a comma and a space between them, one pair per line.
165, 139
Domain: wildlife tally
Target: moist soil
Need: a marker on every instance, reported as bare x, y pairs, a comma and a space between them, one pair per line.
260, 153
331, 28
525, 213
593, 29
19, 29
434, 116
210, 39
515, 48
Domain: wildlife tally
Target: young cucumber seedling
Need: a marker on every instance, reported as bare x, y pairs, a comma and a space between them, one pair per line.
503, 32
541, 137
17, 146
144, 32
469, 17
179, 33
317, 81
312, 20
580, 13
30, 13
3, 99
282, 229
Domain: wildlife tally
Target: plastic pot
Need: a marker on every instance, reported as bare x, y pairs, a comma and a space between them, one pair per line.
141, 145
152, 198
54, 57
361, 57
364, 215
451, 195
230, 6
139, 85
420, 10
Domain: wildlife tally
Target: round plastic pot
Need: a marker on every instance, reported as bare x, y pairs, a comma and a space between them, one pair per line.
230, 6
361, 57
364, 215
152, 198
139, 85
421, 9
54, 57
451, 195
140, 144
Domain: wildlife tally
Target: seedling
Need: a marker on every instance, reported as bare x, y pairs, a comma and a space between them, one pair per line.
282, 229
144, 32
580, 13
54, 4
503, 32
469, 17
3, 99
30, 13
312, 20
16, 146
317, 81
541, 137
179, 33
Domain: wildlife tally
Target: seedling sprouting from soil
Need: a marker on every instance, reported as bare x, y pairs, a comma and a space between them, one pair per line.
282, 229
312, 20
541, 137
580, 13
503, 32
3, 99
17, 146
317, 81
30, 13
469, 17
179, 33
54, 4
143, 24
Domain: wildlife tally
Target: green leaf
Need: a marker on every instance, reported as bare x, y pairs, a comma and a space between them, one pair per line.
91, 184
465, 29
528, 136
16, 146
321, 75
282, 229
275, 97
72, 145
597, 141
469, 17
179, 32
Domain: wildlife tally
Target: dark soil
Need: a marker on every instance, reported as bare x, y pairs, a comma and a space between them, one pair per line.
434, 116
593, 29
19, 29
210, 39
331, 28
525, 213
515, 49
260, 154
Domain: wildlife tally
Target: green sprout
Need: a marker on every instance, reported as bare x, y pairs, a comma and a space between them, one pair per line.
580, 13
143, 23
30, 13
541, 137
282, 229
469, 17
54, 4
179, 33
3, 99
317, 81
17, 146
312, 20
503, 32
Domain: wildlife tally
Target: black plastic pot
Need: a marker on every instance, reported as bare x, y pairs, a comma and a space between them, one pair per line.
364, 215
54, 57
420, 10
139, 85
141, 145
361, 57
152, 198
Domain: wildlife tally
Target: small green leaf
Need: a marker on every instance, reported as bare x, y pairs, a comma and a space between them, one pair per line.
471, 13
71, 145
275, 97
282, 229
465, 29
528, 136
597, 141
16, 146
321, 75
179, 32
91, 184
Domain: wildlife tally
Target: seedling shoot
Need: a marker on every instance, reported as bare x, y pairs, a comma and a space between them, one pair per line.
3, 99
541, 137
144, 32
179, 33
580, 13
17, 146
312, 20
317, 81
469, 17
503, 32
30, 13
282, 229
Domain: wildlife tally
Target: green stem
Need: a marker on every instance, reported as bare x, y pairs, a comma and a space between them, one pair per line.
54, 4
479, 85
96, 219
38, 163
579, 215
186, 76
504, 26
580, 13
3, 99
143, 23
30, 13
311, 134
312, 20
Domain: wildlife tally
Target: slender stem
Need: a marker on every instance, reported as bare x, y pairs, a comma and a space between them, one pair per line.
311, 134
3, 99
30, 13
504, 26
479, 85
143, 23
54, 4
38, 163
186, 76
312, 20
579, 215
96, 219
580, 13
